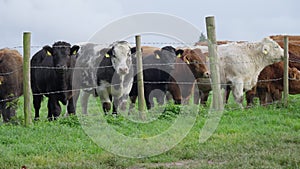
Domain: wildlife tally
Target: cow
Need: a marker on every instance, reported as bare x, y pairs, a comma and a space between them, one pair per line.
106, 72
116, 79
189, 67
51, 76
85, 73
270, 82
148, 50
240, 64
11, 82
157, 75
203, 85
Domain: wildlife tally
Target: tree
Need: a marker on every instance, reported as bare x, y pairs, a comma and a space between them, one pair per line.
202, 37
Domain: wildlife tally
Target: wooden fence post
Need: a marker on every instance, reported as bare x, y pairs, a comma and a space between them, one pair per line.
26, 78
140, 78
217, 102
286, 69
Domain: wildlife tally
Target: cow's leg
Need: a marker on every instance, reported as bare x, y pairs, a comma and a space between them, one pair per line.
115, 104
6, 111
133, 101
197, 95
204, 97
2, 109
237, 91
72, 102
105, 98
227, 93
71, 108
262, 95
250, 94
123, 102
84, 102
276, 95
148, 98
160, 96
54, 108
37, 99
174, 89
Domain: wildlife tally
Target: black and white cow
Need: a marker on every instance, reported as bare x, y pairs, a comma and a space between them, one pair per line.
51, 75
107, 73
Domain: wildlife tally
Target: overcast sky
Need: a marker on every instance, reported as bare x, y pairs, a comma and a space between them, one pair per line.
77, 20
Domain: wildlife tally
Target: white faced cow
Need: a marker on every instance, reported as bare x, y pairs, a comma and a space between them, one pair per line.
240, 64
107, 72
115, 82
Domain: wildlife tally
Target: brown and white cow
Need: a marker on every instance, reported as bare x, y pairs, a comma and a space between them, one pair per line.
240, 64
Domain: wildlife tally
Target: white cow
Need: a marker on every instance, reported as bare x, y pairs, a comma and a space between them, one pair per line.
240, 64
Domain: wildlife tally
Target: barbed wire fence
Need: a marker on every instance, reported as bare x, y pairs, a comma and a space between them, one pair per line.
5, 74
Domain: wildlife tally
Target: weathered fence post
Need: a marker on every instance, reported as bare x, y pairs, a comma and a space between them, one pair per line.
140, 78
26, 77
286, 69
217, 102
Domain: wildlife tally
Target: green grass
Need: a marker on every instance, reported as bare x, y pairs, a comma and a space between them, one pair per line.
260, 137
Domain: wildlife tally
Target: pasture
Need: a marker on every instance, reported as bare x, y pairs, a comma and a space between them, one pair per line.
259, 137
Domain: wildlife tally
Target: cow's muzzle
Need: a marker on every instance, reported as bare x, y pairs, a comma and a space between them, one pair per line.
123, 70
206, 74
61, 69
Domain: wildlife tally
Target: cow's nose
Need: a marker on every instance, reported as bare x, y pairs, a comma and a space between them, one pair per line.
61, 68
206, 74
123, 70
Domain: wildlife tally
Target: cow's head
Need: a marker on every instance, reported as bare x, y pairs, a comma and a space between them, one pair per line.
62, 54
271, 50
120, 54
195, 63
294, 74
168, 55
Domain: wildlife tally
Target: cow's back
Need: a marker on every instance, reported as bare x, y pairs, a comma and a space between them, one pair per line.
42, 73
11, 73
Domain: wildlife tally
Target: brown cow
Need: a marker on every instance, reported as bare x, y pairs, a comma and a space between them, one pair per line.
189, 67
203, 84
11, 82
148, 50
270, 84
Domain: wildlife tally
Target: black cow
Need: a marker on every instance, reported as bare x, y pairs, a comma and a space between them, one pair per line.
157, 74
51, 75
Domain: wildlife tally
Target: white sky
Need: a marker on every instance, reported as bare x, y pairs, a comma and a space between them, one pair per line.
77, 20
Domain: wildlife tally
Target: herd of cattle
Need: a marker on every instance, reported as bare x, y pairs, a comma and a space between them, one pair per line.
61, 71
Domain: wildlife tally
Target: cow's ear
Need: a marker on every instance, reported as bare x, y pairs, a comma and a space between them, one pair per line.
265, 49
179, 52
133, 50
48, 50
74, 49
108, 53
186, 60
157, 54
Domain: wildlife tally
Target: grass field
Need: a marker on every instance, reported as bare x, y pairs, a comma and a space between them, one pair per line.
260, 137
